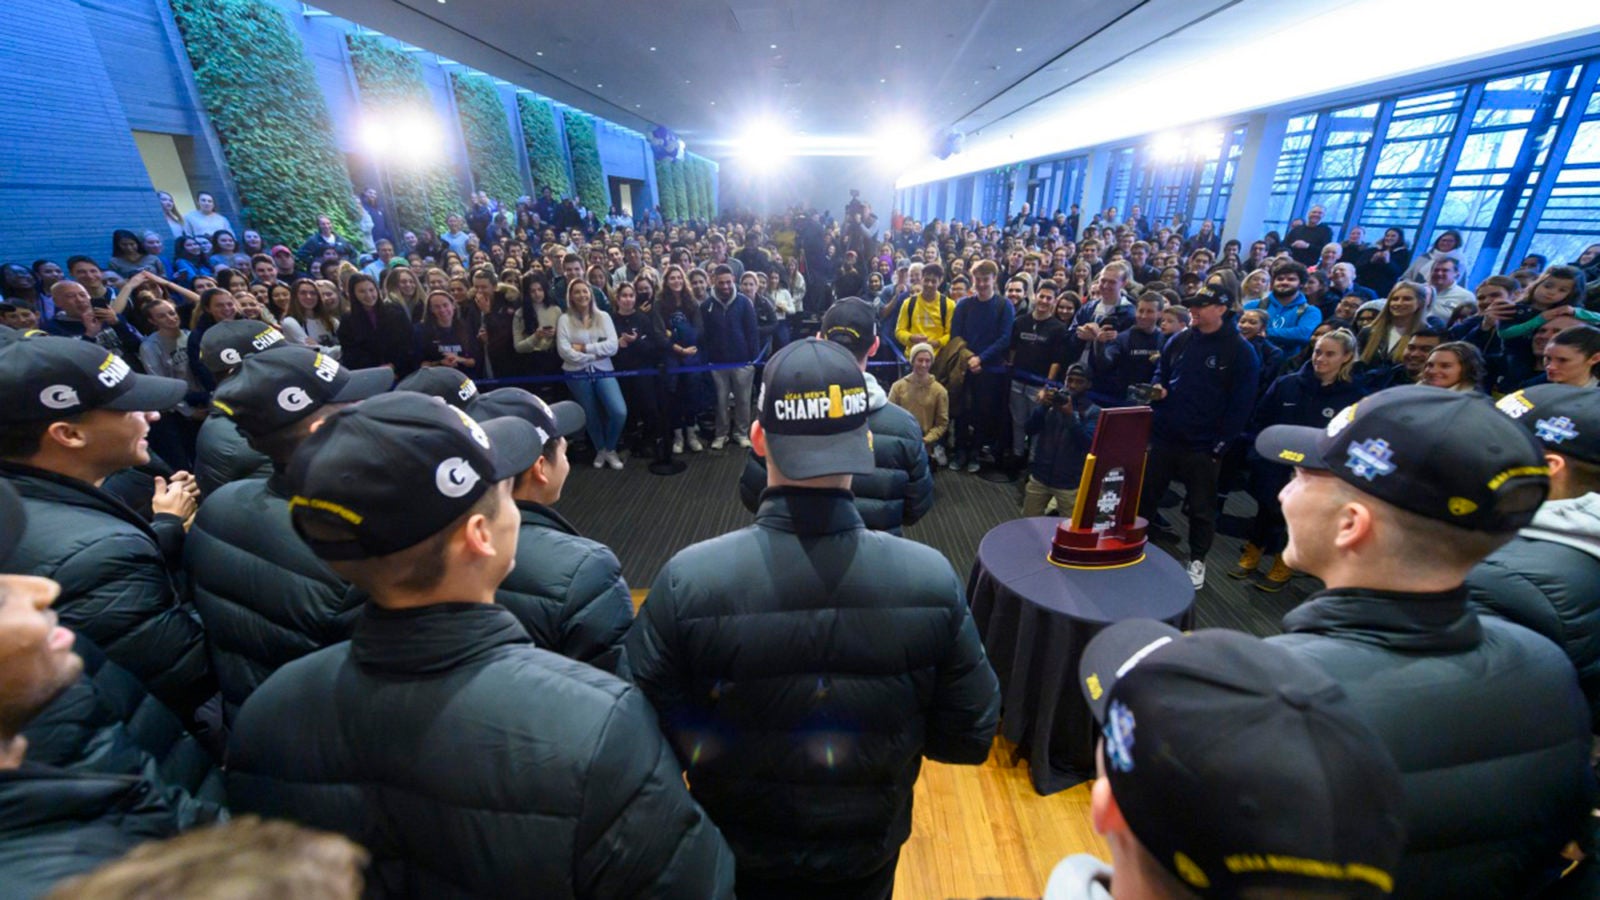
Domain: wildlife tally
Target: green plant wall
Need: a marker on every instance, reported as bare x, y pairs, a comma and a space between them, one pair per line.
493, 158
262, 97
678, 183
392, 87
546, 157
584, 149
700, 184
669, 202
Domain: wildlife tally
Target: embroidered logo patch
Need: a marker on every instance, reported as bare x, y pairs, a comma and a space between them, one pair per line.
1556, 430
1119, 737
1370, 459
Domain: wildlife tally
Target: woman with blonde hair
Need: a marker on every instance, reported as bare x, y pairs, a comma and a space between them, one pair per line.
1255, 286
401, 287
1383, 343
587, 340
1311, 396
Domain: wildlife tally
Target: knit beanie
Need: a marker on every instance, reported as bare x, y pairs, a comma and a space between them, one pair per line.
919, 348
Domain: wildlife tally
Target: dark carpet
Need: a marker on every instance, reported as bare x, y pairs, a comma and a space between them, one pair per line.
646, 518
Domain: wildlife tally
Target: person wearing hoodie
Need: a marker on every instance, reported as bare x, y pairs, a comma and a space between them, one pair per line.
1229, 768
1290, 316
900, 489
1548, 577
920, 394
1130, 358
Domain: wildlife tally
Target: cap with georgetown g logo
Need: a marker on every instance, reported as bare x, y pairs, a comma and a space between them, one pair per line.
275, 390
443, 382
46, 378
1440, 454
560, 419
226, 345
1564, 418
397, 469
1238, 765
814, 411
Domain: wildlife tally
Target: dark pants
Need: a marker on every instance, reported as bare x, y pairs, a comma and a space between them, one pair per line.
877, 886
1196, 470
1268, 531
648, 404
984, 419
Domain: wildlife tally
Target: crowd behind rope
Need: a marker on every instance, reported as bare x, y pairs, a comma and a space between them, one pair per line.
319, 555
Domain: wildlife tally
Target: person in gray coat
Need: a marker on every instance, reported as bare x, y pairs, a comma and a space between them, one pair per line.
565, 589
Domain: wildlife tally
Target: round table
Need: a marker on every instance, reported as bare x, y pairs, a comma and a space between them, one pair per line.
1036, 617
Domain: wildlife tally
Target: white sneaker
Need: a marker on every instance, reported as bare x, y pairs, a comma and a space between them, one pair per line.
939, 458
742, 441
613, 460
719, 442
600, 459
677, 443
1197, 574
694, 442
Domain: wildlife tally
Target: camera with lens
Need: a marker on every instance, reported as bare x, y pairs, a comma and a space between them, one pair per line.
1059, 397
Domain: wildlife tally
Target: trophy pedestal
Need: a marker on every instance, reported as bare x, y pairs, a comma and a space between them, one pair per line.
1092, 549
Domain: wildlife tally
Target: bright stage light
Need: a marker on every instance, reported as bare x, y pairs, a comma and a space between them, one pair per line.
764, 145
406, 138
1167, 147
898, 145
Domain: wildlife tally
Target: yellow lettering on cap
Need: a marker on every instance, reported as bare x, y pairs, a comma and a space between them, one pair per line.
835, 401
1189, 871
1291, 456
1461, 506
1093, 684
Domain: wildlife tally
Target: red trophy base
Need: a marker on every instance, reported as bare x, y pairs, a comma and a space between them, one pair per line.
1089, 549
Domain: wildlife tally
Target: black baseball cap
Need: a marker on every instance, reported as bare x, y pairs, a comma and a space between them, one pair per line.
1209, 295
562, 418
275, 390
814, 411
851, 323
226, 345
1444, 455
1189, 278
1236, 764
1564, 418
15, 518
443, 382
391, 472
46, 378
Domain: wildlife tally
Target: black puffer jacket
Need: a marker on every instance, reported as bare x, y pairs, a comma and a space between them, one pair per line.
222, 455
802, 667
901, 490
1548, 579
117, 586
567, 590
55, 824
107, 723
263, 595
472, 764
1484, 719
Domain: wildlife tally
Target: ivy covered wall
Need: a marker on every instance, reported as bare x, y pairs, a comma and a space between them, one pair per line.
487, 132
546, 155
269, 115
392, 89
585, 153
669, 201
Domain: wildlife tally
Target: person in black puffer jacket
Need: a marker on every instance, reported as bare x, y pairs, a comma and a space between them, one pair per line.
899, 491
1392, 505
805, 665
467, 761
1548, 577
74, 790
222, 455
565, 589
264, 597
67, 426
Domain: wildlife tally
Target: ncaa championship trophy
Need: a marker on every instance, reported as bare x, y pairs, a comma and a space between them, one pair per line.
1105, 529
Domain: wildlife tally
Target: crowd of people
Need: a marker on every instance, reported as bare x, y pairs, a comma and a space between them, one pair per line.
294, 511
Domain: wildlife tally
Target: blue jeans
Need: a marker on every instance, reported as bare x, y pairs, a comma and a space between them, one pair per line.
602, 404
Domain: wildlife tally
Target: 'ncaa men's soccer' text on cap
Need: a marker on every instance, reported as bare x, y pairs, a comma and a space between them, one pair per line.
1440, 454
443, 382
397, 469
275, 390
1237, 765
814, 411
46, 378
560, 419
852, 324
226, 345
1564, 418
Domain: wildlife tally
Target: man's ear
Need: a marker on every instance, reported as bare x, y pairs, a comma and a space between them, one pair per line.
876, 340
1104, 813
758, 439
68, 434
1355, 524
1556, 462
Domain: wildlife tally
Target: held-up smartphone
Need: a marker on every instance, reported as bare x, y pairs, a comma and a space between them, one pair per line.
1141, 393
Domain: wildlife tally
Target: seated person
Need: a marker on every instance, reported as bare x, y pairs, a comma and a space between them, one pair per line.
920, 394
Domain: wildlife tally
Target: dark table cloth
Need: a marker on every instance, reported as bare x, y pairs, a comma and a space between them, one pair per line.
1036, 617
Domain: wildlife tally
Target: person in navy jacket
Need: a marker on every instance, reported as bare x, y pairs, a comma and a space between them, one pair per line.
1130, 358
983, 321
729, 335
1204, 392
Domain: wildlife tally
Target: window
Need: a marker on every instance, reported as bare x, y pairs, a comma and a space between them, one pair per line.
1291, 168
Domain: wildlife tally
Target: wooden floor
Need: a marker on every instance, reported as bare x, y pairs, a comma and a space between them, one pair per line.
979, 831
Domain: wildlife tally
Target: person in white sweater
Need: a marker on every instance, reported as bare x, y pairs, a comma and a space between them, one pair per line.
587, 340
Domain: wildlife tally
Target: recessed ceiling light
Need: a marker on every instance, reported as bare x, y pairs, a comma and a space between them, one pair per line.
883, 81
976, 80
772, 46
652, 49
1019, 49
713, 103
538, 53
636, 106
897, 46
599, 85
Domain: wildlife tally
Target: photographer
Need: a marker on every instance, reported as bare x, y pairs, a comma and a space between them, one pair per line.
1062, 426
1129, 359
